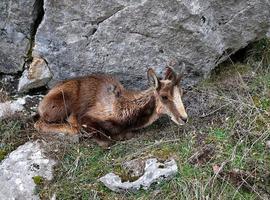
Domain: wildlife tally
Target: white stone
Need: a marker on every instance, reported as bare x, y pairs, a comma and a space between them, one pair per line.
11, 107
154, 171
16, 181
268, 144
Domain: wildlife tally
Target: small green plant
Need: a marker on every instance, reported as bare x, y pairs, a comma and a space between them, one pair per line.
265, 103
2, 154
38, 180
125, 174
219, 134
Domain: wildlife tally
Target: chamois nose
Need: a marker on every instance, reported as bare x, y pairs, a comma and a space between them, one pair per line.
184, 119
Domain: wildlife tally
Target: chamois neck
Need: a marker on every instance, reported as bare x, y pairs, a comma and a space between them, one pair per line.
138, 108
140, 97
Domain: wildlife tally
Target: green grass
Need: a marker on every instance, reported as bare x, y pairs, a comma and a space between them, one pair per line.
12, 134
260, 52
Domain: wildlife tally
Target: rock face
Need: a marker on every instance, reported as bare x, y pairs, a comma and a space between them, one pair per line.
19, 168
126, 37
18, 21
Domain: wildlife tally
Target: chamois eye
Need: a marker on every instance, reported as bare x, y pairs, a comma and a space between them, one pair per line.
164, 98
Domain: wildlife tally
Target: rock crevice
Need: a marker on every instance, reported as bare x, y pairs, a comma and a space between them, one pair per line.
38, 13
19, 20
99, 21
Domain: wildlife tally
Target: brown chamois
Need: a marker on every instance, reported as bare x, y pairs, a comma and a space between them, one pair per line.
100, 104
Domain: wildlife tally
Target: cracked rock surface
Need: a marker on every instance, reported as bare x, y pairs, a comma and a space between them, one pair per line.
125, 37
17, 28
154, 171
19, 168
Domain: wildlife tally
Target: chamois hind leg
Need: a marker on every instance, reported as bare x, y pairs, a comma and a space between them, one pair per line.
71, 128
54, 109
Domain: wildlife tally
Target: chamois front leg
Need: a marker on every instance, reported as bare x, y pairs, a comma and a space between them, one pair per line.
71, 128
97, 130
104, 143
123, 136
74, 124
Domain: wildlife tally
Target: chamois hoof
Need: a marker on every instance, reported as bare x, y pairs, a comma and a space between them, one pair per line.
129, 135
38, 126
104, 144
123, 136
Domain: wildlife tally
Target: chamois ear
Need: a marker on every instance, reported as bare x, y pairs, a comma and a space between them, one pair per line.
170, 74
178, 79
152, 78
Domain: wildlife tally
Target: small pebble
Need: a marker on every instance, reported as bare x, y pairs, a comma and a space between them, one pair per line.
268, 144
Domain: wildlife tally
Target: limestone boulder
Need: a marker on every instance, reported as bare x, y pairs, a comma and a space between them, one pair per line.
125, 37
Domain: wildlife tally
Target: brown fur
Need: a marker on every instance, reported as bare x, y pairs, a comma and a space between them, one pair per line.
100, 104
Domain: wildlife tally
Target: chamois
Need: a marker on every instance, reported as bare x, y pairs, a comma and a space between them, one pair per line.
101, 105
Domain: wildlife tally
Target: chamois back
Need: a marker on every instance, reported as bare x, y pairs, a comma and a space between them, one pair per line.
75, 96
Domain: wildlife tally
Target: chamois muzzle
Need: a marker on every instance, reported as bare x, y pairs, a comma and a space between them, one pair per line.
180, 120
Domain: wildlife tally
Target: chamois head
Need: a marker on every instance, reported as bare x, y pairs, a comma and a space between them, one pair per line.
168, 95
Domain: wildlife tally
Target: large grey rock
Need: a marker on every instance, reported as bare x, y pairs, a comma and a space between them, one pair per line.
19, 168
126, 37
17, 24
